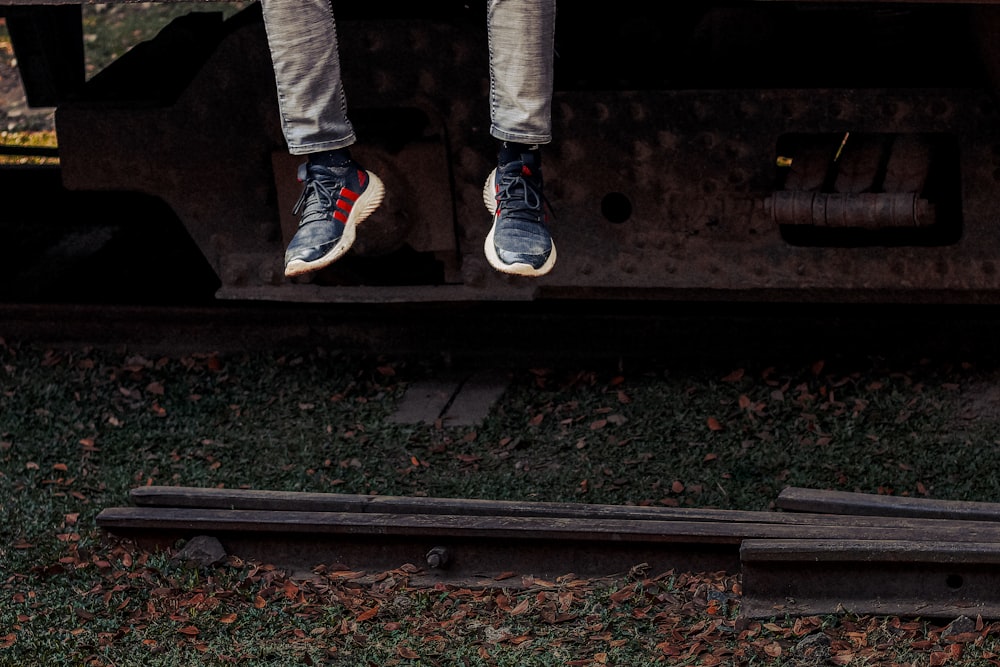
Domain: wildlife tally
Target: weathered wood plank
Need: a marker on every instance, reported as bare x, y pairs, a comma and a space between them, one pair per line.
796, 499
581, 529
297, 501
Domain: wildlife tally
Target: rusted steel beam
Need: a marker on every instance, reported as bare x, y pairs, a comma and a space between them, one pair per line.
796, 499
934, 579
706, 173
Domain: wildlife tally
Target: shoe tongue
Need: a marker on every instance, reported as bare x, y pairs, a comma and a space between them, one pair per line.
323, 171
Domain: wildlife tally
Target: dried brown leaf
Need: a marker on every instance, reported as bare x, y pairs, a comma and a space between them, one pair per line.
407, 653
521, 607
367, 615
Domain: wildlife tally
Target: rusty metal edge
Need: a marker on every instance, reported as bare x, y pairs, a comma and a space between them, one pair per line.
880, 577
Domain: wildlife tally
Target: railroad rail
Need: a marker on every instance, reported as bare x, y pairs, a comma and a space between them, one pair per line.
921, 557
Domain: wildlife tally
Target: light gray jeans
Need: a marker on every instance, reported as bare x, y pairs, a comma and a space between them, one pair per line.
302, 37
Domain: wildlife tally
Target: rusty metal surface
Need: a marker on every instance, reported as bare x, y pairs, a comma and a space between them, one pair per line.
879, 577
659, 190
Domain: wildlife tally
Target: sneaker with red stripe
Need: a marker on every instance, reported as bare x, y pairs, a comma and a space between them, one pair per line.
334, 201
518, 242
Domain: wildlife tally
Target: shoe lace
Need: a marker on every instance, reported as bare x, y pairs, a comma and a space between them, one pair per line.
520, 191
320, 185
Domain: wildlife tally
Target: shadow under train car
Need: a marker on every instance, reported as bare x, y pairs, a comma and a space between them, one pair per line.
737, 152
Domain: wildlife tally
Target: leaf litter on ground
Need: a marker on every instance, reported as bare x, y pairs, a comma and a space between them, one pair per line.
80, 427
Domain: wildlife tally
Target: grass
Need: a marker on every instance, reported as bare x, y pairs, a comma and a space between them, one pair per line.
110, 30
80, 427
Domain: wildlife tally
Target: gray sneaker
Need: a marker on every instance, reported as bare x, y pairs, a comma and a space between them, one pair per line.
333, 202
519, 241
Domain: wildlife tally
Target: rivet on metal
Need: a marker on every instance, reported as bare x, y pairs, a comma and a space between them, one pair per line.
438, 557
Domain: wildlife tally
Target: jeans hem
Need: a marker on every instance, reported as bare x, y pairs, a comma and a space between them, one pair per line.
520, 137
317, 147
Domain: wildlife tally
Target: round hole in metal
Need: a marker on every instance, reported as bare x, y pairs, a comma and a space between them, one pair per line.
616, 207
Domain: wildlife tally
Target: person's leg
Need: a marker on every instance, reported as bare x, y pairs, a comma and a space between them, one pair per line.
521, 51
337, 193
302, 38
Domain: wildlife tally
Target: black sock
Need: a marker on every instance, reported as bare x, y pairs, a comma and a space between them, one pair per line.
510, 151
339, 157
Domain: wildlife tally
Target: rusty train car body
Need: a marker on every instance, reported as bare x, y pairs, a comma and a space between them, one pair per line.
760, 150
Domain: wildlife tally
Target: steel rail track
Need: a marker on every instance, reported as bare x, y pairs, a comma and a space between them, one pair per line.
926, 558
